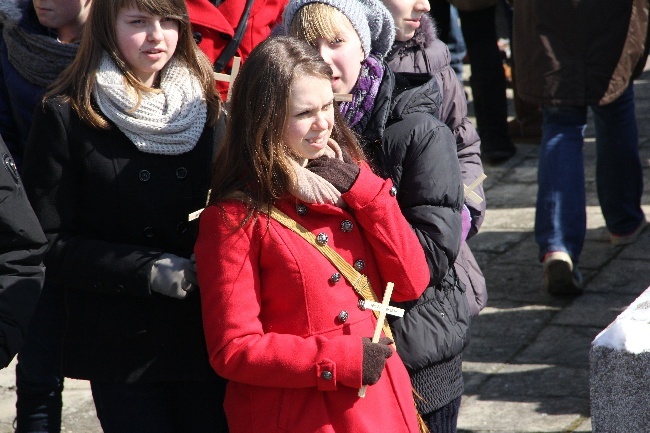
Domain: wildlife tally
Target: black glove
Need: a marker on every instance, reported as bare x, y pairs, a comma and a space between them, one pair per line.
340, 174
374, 359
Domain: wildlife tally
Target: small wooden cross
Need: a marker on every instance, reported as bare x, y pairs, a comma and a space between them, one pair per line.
383, 309
469, 190
218, 76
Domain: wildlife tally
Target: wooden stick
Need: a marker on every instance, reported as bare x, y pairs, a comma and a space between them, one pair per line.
379, 326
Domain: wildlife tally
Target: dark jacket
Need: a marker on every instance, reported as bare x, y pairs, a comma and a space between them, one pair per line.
109, 211
577, 52
407, 142
18, 96
426, 54
22, 246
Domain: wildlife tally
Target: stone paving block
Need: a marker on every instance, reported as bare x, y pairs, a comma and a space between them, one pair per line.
621, 276
560, 345
496, 241
507, 193
518, 219
498, 335
597, 310
529, 382
550, 415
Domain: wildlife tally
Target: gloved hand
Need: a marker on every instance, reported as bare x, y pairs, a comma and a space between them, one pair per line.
467, 222
339, 173
173, 276
374, 359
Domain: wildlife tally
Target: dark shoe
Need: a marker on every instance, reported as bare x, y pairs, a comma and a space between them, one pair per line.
560, 278
498, 155
526, 131
628, 238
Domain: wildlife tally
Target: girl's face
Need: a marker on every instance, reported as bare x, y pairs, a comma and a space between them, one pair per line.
406, 15
344, 55
67, 17
146, 42
310, 117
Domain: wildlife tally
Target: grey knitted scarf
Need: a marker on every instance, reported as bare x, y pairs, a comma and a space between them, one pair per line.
37, 58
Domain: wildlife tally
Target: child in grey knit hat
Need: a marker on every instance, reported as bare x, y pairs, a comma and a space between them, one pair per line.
398, 118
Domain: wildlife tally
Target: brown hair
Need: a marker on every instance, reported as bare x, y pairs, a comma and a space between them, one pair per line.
75, 84
254, 158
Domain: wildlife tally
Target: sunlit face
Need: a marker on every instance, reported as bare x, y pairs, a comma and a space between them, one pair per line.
344, 55
310, 118
406, 15
146, 42
66, 17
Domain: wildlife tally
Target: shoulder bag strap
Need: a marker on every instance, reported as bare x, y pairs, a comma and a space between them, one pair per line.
232, 46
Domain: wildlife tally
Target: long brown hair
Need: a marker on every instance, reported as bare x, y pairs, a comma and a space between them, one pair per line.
254, 158
75, 84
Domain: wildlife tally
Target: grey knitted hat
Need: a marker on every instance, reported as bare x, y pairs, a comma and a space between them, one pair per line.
370, 18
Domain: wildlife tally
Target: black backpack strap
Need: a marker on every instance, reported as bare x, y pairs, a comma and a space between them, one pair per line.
232, 46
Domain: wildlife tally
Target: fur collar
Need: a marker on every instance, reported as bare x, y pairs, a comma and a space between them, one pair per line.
424, 36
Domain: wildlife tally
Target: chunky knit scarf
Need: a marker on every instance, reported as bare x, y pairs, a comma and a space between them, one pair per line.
310, 187
37, 58
167, 122
357, 112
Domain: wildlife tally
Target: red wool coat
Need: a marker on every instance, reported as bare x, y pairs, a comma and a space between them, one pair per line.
214, 27
272, 314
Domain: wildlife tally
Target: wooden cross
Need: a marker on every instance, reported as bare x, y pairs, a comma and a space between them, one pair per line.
218, 76
383, 309
469, 190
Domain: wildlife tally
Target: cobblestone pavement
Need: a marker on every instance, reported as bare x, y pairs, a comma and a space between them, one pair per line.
527, 366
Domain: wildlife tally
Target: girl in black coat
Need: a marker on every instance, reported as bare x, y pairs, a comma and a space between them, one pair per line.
397, 115
118, 156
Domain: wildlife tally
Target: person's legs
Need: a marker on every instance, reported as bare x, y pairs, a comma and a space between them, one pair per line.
619, 175
560, 214
167, 407
199, 406
488, 83
456, 44
39, 381
445, 419
128, 408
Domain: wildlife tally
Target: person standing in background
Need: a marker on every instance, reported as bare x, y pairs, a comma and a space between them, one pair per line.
572, 56
397, 116
417, 49
487, 80
227, 28
22, 247
39, 39
119, 153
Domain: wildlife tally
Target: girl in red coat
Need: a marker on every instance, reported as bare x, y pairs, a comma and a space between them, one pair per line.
281, 322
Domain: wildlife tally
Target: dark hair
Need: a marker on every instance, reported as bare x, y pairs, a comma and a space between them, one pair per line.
75, 84
254, 158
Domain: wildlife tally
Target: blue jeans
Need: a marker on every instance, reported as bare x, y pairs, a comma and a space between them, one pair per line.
167, 407
456, 44
560, 217
39, 381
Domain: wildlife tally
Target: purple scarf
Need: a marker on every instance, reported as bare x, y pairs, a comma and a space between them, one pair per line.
357, 112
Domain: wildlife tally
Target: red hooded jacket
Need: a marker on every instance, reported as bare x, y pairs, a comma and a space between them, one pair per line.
214, 27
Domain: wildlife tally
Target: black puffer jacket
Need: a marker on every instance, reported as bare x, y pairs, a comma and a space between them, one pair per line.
22, 247
407, 142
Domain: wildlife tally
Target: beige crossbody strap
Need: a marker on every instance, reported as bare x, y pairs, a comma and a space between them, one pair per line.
359, 282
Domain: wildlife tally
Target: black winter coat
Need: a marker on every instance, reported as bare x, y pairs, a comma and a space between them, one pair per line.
22, 246
109, 211
407, 142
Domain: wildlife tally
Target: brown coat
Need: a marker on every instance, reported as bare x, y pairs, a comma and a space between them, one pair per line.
577, 52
